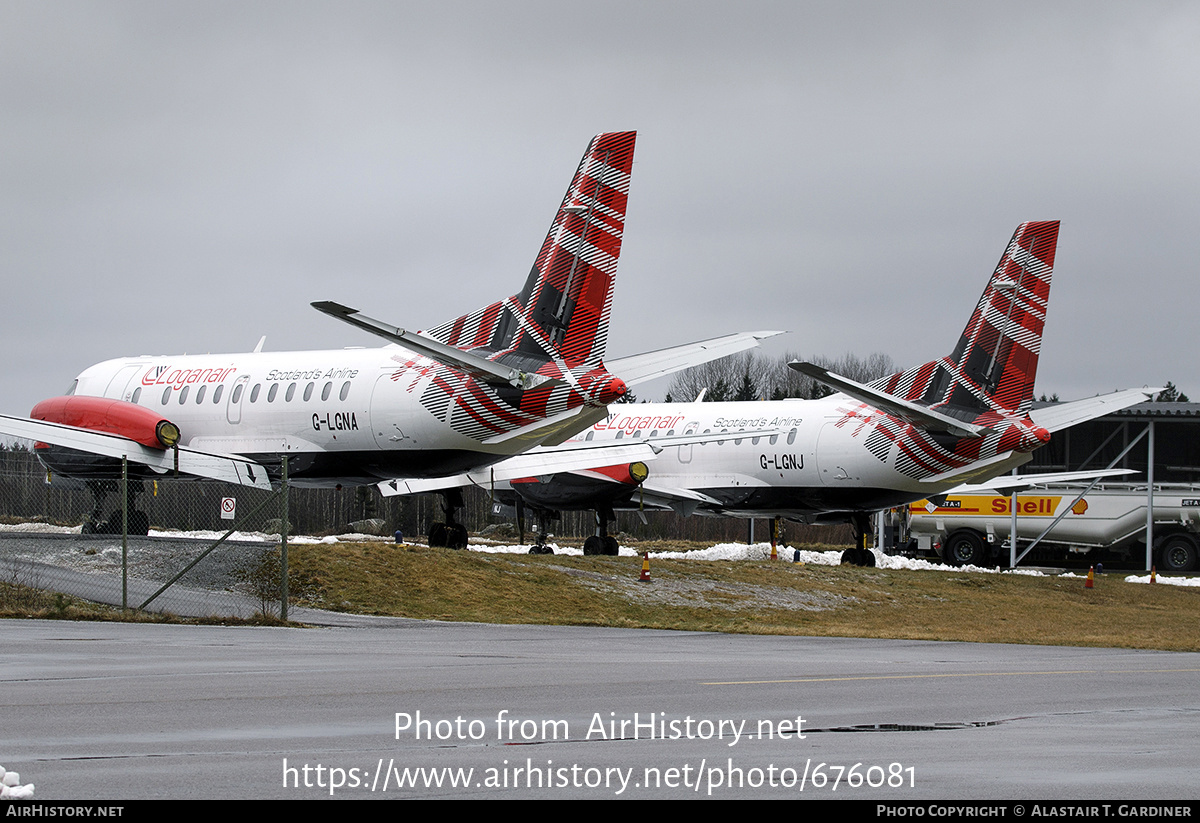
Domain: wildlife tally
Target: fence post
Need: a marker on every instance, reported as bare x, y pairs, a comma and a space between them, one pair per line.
124, 531
283, 546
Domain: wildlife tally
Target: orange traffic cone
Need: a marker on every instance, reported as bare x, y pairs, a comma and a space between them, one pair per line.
1091, 575
1152, 574
645, 567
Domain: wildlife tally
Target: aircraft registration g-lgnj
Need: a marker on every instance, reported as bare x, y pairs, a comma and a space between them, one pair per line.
960, 419
519, 372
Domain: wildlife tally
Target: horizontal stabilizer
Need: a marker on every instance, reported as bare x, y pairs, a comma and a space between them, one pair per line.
639, 368
895, 406
1018, 482
226, 467
1001, 463
1064, 415
480, 367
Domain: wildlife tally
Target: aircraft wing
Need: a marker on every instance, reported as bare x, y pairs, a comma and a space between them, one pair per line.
639, 368
227, 467
567, 457
532, 463
1064, 415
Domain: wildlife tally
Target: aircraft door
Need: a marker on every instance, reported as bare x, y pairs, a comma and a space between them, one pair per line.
233, 407
685, 452
832, 455
120, 387
387, 398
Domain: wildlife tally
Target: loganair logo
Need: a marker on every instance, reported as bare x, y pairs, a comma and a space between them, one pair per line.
169, 376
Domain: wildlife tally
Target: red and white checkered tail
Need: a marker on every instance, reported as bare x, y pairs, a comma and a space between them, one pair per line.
562, 313
992, 369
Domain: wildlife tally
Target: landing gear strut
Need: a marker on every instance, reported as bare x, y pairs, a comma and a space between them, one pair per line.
602, 542
95, 523
451, 534
860, 555
539, 546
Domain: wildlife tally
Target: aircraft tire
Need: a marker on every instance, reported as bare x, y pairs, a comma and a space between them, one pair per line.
139, 523
965, 548
456, 535
113, 524
868, 558
593, 546
437, 535
850, 558
541, 550
611, 547
1178, 554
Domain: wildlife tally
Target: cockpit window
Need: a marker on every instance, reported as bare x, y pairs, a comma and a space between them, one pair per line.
74, 386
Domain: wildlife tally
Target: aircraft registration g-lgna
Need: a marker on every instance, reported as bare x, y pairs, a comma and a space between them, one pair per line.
519, 372
923, 432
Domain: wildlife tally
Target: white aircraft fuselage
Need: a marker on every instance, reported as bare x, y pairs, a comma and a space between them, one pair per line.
347, 416
819, 464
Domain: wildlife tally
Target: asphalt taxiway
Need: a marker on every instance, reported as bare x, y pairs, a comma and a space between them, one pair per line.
112, 711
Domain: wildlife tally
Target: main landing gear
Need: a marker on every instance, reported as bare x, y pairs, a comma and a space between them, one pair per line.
602, 542
860, 555
95, 523
451, 534
539, 544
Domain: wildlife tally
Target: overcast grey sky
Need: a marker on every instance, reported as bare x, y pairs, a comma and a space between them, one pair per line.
186, 177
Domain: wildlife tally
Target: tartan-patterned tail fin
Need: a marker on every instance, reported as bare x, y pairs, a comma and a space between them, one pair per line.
563, 311
992, 369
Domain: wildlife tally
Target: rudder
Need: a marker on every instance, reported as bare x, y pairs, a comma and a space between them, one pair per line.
563, 310
994, 365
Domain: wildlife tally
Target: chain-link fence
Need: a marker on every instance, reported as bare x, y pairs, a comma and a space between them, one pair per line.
90, 540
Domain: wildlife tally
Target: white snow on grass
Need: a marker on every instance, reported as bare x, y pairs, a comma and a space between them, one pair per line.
1168, 581
721, 551
40, 528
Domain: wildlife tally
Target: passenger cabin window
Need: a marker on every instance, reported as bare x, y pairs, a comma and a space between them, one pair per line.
792, 439
345, 391
217, 394
137, 393
254, 392
271, 394
308, 390
291, 392
166, 395
183, 395
325, 392
200, 395
237, 393
589, 435
774, 439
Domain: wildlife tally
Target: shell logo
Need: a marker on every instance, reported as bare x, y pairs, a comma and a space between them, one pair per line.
1080, 507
